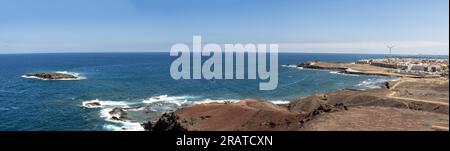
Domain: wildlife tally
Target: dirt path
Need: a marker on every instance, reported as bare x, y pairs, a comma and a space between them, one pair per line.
392, 94
441, 128
372, 118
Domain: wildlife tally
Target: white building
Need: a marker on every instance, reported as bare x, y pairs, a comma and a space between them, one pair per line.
416, 67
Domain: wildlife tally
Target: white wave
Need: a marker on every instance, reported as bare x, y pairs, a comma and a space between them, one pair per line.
184, 100
308, 69
124, 127
280, 102
178, 100
77, 75
115, 125
345, 74
291, 66
119, 125
32, 77
373, 83
206, 101
103, 104
104, 113
136, 109
334, 72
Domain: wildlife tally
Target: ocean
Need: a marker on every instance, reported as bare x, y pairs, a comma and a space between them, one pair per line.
132, 79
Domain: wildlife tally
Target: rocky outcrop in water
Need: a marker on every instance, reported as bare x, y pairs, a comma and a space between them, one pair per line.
52, 76
118, 114
92, 104
319, 65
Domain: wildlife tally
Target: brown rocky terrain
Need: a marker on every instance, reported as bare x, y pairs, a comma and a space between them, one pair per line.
372, 118
247, 115
373, 97
362, 110
408, 104
426, 89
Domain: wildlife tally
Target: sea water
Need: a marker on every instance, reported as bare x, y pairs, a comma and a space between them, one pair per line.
130, 79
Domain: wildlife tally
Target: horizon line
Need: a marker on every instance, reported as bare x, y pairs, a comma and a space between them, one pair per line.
159, 51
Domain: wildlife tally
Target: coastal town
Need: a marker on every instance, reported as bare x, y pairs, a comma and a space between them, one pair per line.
413, 66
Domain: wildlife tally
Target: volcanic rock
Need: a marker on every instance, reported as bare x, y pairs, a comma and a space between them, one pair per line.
52, 76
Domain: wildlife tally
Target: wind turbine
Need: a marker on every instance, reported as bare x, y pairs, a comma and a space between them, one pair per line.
390, 49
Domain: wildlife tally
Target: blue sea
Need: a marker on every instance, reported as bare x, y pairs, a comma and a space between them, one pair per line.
134, 79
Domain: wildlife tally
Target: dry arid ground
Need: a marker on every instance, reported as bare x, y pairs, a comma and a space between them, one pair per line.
422, 89
378, 119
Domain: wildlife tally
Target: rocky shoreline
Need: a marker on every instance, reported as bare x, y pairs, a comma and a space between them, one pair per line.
299, 115
390, 108
350, 68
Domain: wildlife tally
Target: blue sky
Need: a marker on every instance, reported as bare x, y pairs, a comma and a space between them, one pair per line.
342, 26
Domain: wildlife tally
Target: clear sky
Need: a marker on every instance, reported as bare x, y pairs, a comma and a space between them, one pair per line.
347, 26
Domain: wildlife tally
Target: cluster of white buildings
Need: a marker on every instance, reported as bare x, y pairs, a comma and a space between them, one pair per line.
418, 66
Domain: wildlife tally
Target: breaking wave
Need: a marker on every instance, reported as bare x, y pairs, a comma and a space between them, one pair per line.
291, 66
102, 104
280, 102
345, 74
119, 125
177, 100
373, 83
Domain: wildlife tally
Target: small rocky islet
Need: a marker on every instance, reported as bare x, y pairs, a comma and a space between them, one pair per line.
52, 76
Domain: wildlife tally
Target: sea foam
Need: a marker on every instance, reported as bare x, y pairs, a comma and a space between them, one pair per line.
279, 102
373, 83
89, 104
107, 107
291, 66
345, 74
119, 125
178, 100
